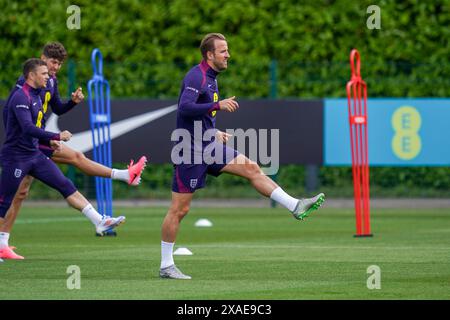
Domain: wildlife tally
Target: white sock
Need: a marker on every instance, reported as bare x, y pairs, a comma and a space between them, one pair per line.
166, 254
4, 237
284, 199
92, 214
123, 175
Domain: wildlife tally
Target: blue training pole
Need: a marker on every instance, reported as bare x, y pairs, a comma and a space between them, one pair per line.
100, 119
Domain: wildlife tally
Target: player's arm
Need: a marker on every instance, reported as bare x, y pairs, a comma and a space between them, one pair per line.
222, 137
60, 107
188, 105
20, 106
229, 104
17, 86
56, 145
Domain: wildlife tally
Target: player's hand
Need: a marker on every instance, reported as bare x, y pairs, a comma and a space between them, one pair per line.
78, 95
222, 136
65, 135
56, 145
229, 104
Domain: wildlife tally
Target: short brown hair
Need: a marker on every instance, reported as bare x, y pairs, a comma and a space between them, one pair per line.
207, 43
31, 65
55, 50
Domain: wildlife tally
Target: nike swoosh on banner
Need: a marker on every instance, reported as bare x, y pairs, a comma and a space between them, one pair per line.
82, 141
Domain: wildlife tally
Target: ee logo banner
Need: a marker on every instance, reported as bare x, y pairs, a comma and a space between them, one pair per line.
406, 143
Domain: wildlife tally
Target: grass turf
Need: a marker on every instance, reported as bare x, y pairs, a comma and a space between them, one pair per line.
247, 254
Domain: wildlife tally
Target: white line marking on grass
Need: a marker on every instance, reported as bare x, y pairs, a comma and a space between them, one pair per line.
49, 220
152, 246
258, 246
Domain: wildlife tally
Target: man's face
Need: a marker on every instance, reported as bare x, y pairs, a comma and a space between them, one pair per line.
220, 56
40, 77
53, 65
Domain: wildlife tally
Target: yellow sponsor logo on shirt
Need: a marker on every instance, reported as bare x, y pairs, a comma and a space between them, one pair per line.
216, 98
39, 119
47, 99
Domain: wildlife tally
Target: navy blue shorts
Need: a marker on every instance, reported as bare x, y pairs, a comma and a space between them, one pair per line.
38, 166
189, 177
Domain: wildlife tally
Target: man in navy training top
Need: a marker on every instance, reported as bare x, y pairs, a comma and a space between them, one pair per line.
20, 154
198, 105
54, 55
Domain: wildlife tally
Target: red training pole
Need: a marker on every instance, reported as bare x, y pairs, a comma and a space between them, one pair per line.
357, 111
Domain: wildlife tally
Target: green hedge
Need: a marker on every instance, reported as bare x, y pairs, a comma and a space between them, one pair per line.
149, 45
334, 181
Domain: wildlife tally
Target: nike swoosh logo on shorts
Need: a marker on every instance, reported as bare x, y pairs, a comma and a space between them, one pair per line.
82, 141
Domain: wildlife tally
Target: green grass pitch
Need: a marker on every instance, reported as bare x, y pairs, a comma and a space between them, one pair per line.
247, 254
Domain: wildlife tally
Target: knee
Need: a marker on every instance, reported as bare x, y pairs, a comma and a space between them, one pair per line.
252, 169
71, 157
183, 211
23, 191
67, 188
22, 194
79, 157
180, 211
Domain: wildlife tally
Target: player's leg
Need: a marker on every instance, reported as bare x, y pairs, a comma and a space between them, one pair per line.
178, 209
67, 155
231, 161
244, 167
102, 224
16, 204
11, 177
186, 180
47, 171
13, 212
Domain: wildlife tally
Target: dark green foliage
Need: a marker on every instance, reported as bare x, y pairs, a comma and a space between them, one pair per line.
334, 181
147, 44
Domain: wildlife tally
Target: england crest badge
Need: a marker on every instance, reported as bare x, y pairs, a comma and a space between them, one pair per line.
17, 173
